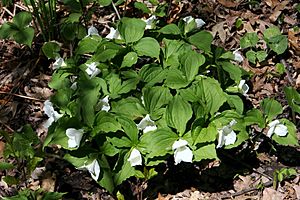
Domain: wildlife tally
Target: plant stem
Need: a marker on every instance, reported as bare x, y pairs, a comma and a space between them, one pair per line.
116, 10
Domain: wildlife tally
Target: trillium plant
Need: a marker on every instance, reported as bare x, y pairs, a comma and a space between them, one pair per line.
129, 101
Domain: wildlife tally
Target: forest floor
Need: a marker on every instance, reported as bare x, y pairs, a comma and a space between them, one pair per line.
24, 77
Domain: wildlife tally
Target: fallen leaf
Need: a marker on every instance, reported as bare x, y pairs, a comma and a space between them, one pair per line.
271, 194
298, 81
229, 3
243, 183
48, 183
277, 11
272, 3
218, 28
2, 147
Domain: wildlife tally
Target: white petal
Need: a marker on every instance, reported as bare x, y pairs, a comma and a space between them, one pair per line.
135, 158
199, 23
274, 123
237, 56
243, 87
92, 31
113, 34
143, 101
74, 86
232, 123
179, 143
59, 62
48, 108
149, 22
48, 123
94, 169
74, 136
271, 131
230, 138
281, 130
92, 69
105, 104
221, 139
188, 19
51, 113
147, 124
183, 154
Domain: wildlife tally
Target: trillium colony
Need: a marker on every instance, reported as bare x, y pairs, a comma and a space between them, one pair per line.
142, 98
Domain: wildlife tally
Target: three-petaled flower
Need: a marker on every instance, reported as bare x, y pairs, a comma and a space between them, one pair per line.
199, 22
113, 34
182, 152
243, 87
74, 136
92, 31
93, 168
277, 128
150, 22
135, 157
226, 135
104, 104
59, 62
147, 124
51, 113
92, 69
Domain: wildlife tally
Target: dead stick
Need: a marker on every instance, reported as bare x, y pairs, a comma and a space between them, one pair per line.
21, 96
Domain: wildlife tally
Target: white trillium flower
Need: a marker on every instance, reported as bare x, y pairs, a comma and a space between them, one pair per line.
59, 62
74, 136
113, 34
149, 22
135, 157
92, 31
93, 168
237, 56
147, 124
199, 22
226, 135
277, 128
51, 113
104, 103
243, 87
92, 69
182, 152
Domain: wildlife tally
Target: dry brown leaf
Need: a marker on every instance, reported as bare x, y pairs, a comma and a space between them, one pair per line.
294, 40
298, 81
2, 147
229, 3
277, 11
297, 190
48, 183
271, 194
243, 183
272, 3
218, 28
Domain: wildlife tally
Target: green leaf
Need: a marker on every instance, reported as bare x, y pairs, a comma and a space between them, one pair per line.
147, 46
293, 98
204, 135
131, 29
51, 49
271, 32
22, 146
106, 175
175, 79
131, 107
126, 171
178, 113
156, 97
242, 136
191, 61
205, 152
205, 91
22, 19
141, 6
105, 122
236, 102
249, 40
261, 55
117, 87
88, 45
234, 71
129, 59
278, 43
88, 92
76, 161
157, 143
152, 73
104, 2
254, 116
6, 166
53, 196
251, 56
129, 128
6, 31
170, 29
73, 18
291, 138
271, 108
24, 36
202, 40
60, 79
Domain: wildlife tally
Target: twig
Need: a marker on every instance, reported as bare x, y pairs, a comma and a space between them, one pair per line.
267, 184
6, 126
10, 13
21, 96
116, 10
287, 71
